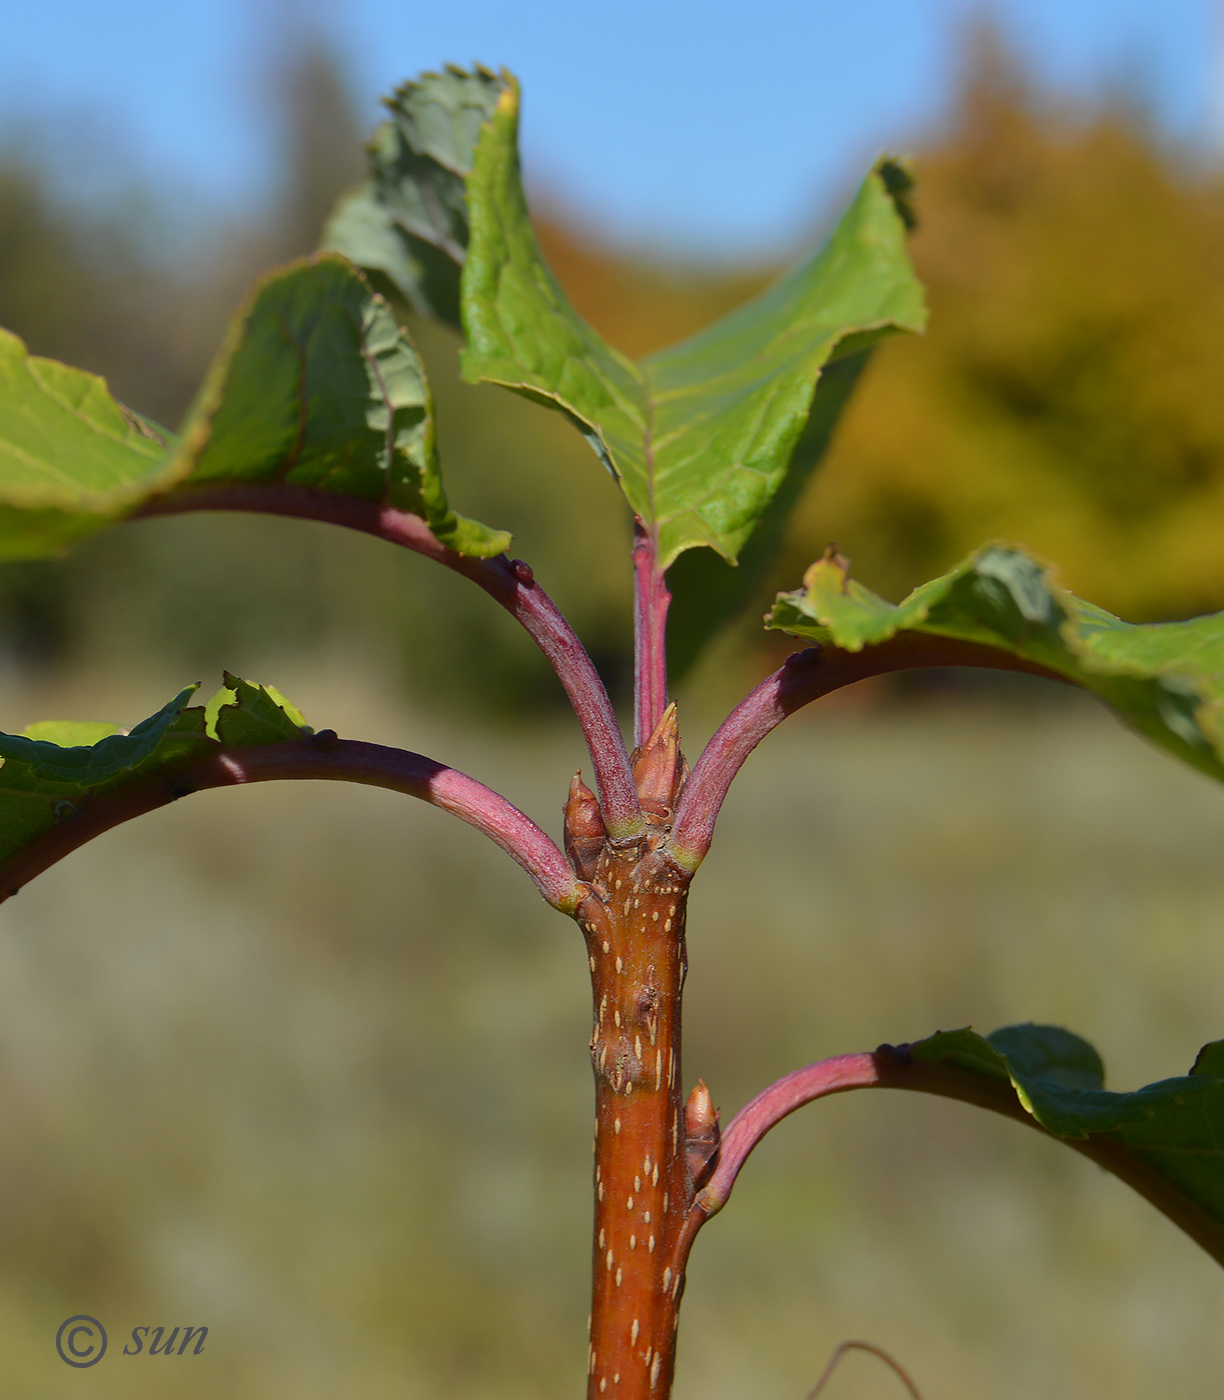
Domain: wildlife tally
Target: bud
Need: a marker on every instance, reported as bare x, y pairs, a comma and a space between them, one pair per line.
658, 767
701, 1134
584, 829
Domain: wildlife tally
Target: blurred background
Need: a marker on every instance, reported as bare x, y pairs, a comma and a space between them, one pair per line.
308, 1066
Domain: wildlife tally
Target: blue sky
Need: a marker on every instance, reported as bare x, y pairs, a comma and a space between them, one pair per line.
726, 127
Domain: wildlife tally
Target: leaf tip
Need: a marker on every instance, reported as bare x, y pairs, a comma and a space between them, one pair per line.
896, 174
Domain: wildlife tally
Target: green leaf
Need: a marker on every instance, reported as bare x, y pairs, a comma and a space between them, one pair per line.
255, 714
409, 221
72, 458
67, 734
315, 386
1170, 1133
707, 591
48, 772
1058, 1078
702, 436
1165, 679
318, 386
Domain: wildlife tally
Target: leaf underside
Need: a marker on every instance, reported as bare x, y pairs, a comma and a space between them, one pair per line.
318, 386
315, 386
408, 223
1164, 679
1173, 1129
47, 772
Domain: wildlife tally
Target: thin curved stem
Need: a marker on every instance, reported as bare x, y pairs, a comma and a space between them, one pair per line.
872, 1350
806, 676
509, 583
892, 1067
320, 756
651, 598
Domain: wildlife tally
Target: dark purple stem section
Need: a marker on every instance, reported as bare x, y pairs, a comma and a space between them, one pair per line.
806, 676
892, 1067
651, 598
320, 756
507, 582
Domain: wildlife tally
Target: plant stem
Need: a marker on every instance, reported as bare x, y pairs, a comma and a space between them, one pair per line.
651, 598
871, 1349
892, 1067
633, 920
320, 756
806, 676
509, 583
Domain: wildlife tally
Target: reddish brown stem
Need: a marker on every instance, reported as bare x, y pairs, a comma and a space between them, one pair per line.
509, 583
806, 676
633, 920
321, 756
651, 599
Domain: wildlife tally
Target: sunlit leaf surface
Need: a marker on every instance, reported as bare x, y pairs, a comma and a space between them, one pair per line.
1165, 679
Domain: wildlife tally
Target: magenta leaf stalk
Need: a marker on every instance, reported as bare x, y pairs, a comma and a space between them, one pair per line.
324, 756
892, 1067
806, 676
651, 599
509, 583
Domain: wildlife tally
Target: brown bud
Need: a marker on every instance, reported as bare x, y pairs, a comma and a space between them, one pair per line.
702, 1133
658, 767
584, 828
